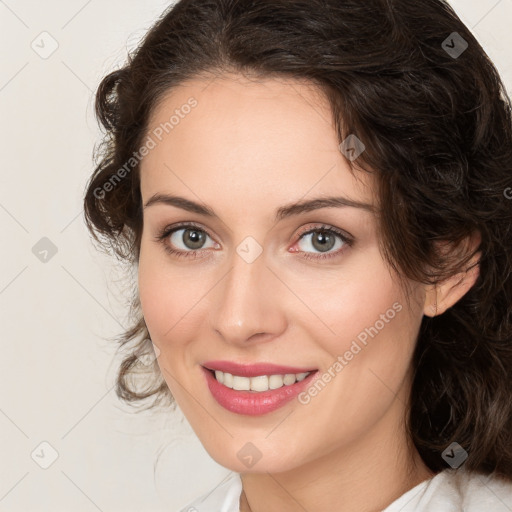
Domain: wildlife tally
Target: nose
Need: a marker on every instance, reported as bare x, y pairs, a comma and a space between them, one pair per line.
246, 304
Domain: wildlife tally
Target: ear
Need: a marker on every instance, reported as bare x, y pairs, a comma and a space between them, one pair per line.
444, 295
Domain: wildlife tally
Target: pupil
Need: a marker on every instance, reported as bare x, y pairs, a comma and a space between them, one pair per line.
323, 241
193, 239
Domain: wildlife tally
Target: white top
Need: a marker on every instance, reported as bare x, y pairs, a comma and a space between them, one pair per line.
450, 490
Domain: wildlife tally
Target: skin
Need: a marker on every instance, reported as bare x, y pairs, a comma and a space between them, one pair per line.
246, 149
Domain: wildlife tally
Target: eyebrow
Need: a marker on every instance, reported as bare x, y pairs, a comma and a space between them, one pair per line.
280, 214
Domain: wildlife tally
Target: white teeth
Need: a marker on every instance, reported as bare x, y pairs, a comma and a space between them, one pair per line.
241, 383
228, 380
289, 379
275, 381
259, 383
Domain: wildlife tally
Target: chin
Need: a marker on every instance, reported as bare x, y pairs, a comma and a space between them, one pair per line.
242, 462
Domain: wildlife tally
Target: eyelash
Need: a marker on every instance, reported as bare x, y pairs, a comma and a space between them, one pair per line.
167, 231
348, 241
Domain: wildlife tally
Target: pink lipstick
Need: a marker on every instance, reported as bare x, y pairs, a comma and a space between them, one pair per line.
288, 382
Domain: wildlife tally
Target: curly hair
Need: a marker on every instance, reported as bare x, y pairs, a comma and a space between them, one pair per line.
437, 127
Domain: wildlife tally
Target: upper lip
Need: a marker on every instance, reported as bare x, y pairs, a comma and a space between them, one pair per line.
254, 369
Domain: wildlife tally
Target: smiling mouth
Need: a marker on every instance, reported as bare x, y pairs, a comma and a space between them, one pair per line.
260, 383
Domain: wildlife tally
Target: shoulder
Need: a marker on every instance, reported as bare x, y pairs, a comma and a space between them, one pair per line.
225, 497
479, 491
457, 489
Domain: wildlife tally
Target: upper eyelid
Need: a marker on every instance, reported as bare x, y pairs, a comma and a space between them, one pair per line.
167, 231
325, 227
188, 225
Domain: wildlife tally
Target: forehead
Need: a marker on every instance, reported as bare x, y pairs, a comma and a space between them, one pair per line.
232, 134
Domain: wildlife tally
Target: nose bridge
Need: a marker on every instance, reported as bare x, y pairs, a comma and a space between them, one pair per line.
244, 304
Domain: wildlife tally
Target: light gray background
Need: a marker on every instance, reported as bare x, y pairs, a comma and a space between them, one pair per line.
57, 367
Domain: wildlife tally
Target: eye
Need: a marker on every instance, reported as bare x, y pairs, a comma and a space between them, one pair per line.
186, 240
322, 242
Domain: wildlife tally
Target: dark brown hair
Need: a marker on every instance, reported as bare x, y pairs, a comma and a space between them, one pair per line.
438, 134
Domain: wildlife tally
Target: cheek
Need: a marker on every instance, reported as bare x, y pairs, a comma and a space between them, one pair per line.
367, 328
167, 302
166, 295
348, 302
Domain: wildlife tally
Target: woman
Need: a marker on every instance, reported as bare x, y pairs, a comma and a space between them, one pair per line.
314, 195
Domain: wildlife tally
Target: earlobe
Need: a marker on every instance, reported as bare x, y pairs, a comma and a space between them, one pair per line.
444, 295
430, 306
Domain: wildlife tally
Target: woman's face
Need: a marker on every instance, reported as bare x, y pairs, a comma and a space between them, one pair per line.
258, 281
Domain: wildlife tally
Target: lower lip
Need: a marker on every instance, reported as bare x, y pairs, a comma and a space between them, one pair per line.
252, 403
